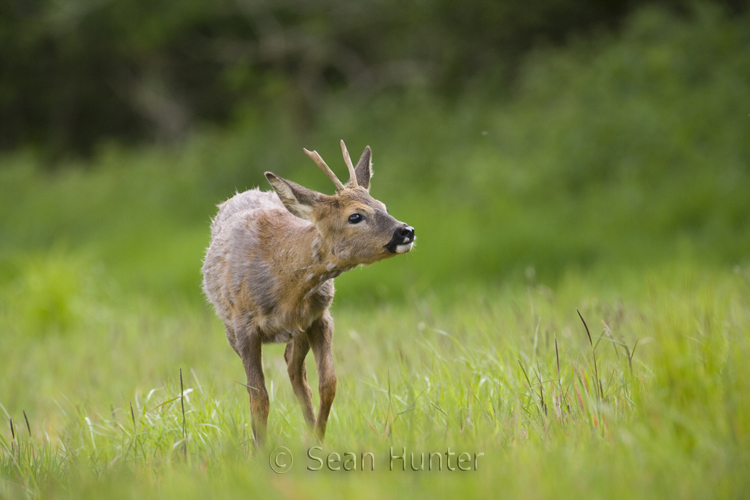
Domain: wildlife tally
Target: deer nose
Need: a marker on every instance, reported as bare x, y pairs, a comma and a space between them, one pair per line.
407, 233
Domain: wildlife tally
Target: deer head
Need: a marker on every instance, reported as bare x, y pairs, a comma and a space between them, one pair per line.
355, 227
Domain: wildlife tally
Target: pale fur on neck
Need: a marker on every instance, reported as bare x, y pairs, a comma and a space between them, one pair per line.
321, 264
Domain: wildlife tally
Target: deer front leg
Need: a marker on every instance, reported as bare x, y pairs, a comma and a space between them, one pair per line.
250, 350
295, 354
320, 336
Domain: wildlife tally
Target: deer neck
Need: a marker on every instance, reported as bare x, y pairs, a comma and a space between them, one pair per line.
318, 264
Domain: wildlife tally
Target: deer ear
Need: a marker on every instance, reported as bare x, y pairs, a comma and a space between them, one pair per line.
297, 199
364, 169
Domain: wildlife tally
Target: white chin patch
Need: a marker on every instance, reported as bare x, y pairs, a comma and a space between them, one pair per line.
404, 248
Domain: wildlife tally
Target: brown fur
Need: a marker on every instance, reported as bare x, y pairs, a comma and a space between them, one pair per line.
269, 273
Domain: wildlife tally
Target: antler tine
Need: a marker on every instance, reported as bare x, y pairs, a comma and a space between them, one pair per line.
348, 159
319, 162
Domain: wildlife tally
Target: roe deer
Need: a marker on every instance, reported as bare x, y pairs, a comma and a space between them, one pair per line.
269, 273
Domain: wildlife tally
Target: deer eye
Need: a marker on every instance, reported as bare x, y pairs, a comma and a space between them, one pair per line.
355, 219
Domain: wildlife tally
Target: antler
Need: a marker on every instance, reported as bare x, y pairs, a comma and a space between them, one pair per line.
319, 162
348, 160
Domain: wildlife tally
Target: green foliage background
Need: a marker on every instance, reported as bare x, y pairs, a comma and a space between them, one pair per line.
608, 174
626, 150
79, 71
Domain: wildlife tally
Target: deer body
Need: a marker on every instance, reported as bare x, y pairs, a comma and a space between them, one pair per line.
269, 273
264, 269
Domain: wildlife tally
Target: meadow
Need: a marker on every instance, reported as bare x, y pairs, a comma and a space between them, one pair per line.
575, 316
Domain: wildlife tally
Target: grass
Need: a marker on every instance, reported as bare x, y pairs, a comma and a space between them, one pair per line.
652, 402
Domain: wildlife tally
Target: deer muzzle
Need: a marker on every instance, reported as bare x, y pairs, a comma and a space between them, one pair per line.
402, 240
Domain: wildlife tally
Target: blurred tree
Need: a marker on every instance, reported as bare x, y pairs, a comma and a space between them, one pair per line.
73, 72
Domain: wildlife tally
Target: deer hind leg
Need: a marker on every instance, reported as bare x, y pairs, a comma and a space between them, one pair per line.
295, 354
249, 348
320, 336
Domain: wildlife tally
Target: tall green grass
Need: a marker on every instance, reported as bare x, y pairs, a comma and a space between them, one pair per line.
651, 402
